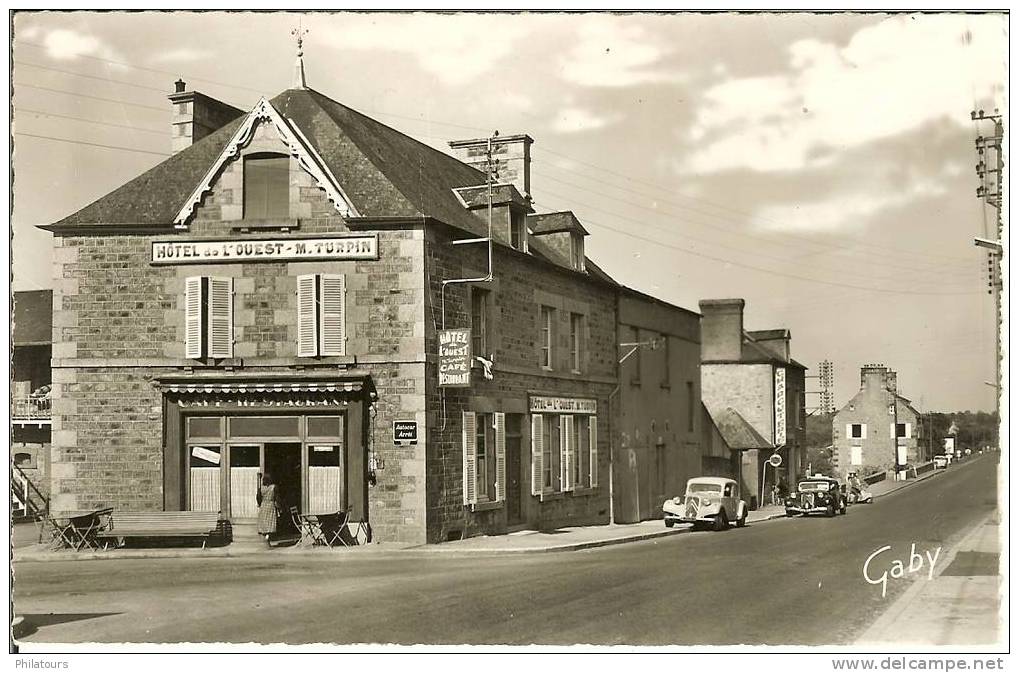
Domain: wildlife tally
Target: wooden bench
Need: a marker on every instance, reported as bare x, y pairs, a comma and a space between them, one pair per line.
123, 525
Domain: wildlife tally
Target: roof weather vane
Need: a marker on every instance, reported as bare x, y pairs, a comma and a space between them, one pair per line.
299, 33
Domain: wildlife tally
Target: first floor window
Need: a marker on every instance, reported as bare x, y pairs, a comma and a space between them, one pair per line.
479, 322
576, 341
856, 431
902, 430
321, 315
208, 317
547, 336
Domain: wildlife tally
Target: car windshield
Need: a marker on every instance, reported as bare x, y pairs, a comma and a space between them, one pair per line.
813, 486
703, 488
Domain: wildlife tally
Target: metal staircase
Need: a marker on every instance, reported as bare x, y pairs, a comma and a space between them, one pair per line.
28, 503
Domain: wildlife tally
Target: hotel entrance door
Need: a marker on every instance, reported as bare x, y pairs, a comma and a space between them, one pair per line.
283, 462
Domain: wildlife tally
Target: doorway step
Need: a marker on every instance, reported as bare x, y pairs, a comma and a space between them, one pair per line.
246, 538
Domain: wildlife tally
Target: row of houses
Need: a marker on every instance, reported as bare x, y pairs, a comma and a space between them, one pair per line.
289, 293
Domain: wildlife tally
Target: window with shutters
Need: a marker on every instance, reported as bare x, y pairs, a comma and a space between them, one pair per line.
547, 336
551, 446
576, 342
857, 430
484, 449
208, 317
266, 187
564, 453
581, 452
902, 430
479, 321
321, 315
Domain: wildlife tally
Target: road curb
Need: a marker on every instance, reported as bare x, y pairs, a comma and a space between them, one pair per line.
885, 622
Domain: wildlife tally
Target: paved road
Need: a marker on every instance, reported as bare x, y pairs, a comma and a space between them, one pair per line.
789, 581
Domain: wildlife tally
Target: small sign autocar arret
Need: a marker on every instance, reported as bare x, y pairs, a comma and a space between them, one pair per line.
454, 358
405, 432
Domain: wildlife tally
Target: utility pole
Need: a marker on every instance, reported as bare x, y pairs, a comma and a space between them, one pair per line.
989, 169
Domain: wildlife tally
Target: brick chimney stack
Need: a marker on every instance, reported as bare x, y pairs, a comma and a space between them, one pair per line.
722, 329
196, 115
512, 152
873, 376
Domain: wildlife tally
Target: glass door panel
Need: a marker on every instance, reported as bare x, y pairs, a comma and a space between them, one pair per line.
245, 468
326, 483
204, 476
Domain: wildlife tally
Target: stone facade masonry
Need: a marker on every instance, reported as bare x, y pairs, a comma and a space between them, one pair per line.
119, 326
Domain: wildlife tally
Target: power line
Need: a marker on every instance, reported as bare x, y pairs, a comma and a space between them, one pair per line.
82, 142
881, 250
101, 79
770, 271
83, 95
90, 121
925, 269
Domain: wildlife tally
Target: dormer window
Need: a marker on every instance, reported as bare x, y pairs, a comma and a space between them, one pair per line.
577, 251
518, 231
266, 187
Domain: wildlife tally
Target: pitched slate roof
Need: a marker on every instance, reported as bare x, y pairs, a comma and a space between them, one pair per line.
33, 318
737, 432
384, 172
477, 197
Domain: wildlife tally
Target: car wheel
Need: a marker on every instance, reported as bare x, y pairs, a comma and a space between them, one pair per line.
845, 507
721, 521
788, 513
742, 521
830, 511
669, 523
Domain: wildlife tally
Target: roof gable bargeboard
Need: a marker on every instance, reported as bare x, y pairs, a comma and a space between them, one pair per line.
297, 144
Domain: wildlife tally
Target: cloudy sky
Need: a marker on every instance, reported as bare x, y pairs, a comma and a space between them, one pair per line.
820, 166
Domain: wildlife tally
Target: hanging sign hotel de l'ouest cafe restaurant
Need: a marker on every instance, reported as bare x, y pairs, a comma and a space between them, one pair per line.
454, 358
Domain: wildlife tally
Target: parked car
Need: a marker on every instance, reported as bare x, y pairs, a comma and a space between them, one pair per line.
816, 495
941, 461
714, 500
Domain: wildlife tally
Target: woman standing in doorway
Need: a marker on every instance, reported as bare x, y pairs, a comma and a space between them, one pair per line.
268, 515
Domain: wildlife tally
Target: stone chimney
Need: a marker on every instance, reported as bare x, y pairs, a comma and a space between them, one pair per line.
873, 376
512, 152
891, 381
196, 115
722, 329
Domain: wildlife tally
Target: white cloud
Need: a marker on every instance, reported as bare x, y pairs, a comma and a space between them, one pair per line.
613, 52
456, 49
891, 78
575, 120
181, 55
68, 45
845, 212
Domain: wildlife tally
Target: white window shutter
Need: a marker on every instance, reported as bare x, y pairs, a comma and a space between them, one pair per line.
909, 430
892, 433
332, 318
193, 317
221, 317
565, 442
570, 453
307, 334
593, 431
537, 448
500, 457
849, 430
470, 472
863, 430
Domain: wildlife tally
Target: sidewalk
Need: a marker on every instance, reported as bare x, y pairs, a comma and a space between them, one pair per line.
528, 541
960, 606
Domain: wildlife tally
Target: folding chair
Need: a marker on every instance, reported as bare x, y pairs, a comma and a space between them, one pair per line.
332, 527
61, 533
82, 530
303, 526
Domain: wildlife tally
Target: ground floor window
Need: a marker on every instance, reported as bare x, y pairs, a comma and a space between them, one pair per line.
228, 456
484, 457
564, 452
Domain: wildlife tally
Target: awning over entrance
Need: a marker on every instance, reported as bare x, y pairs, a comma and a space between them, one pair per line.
220, 382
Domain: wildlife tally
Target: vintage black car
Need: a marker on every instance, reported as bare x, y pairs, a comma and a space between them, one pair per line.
816, 495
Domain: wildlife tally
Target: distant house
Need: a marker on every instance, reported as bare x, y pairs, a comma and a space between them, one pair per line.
30, 396
754, 392
878, 428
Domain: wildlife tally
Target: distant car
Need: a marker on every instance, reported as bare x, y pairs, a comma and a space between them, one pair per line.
714, 500
816, 495
941, 462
